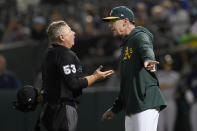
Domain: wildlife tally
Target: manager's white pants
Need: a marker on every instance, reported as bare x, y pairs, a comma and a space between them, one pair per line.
193, 116
142, 121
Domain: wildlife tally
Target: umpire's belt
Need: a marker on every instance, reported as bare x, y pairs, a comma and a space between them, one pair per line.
64, 102
71, 103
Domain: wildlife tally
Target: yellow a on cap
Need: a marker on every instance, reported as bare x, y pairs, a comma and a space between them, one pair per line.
120, 12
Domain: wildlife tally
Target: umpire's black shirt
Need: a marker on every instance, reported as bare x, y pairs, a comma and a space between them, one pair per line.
62, 75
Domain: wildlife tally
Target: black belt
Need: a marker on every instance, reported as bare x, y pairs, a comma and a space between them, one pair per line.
66, 102
71, 103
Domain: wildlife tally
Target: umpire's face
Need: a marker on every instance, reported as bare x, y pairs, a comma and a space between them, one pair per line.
67, 37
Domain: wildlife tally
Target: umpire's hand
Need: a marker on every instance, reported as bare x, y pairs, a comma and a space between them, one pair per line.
108, 115
102, 75
98, 75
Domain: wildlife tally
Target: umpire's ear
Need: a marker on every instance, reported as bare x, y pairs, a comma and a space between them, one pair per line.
61, 38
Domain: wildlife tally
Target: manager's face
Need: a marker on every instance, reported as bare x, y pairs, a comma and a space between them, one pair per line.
117, 27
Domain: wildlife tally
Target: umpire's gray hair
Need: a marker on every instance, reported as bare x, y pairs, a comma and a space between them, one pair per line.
55, 29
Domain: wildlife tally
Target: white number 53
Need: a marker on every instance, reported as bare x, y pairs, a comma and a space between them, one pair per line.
69, 68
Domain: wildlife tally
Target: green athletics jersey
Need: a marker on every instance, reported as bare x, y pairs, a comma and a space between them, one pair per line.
139, 88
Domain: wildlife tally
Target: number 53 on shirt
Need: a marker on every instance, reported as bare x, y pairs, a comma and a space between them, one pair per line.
69, 69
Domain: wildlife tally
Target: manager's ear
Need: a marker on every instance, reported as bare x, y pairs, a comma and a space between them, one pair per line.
126, 22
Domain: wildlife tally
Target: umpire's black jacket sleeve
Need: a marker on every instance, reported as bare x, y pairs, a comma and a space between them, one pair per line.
69, 67
62, 74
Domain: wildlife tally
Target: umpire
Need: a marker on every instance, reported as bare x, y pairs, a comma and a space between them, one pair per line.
63, 81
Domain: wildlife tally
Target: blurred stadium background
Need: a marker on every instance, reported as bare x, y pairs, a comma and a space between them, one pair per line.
23, 41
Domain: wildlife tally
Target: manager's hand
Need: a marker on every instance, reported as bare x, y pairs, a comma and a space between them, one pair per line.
150, 65
108, 115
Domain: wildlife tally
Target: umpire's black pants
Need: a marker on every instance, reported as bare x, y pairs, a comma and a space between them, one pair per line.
57, 117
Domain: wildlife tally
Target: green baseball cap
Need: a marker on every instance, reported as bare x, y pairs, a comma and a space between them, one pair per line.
120, 12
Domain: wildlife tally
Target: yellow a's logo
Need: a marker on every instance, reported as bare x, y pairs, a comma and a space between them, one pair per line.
128, 52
